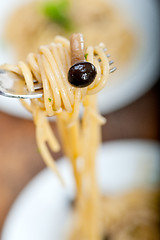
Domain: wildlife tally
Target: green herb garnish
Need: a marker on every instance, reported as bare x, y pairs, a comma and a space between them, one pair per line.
58, 11
86, 55
49, 99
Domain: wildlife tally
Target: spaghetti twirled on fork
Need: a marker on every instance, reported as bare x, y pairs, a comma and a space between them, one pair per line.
80, 138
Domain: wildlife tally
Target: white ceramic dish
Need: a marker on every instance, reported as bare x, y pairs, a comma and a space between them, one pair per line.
125, 86
42, 209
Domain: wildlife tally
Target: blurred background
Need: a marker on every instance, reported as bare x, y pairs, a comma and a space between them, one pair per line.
130, 101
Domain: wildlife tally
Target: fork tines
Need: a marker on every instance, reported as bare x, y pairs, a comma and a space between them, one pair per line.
110, 63
37, 85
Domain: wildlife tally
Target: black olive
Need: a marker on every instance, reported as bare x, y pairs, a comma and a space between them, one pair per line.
82, 74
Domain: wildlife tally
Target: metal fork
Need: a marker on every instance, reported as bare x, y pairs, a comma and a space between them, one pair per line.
13, 85
9, 82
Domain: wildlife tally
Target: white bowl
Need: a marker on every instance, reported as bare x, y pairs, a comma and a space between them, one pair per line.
42, 209
126, 85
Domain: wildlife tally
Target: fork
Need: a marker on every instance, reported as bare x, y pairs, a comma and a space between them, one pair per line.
13, 85
9, 80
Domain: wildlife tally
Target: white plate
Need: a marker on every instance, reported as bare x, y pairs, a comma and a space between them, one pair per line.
42, 209
137, 76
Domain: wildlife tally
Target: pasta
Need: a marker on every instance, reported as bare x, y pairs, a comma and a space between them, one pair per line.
49, 66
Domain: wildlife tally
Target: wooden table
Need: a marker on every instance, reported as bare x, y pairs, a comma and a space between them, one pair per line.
20, 160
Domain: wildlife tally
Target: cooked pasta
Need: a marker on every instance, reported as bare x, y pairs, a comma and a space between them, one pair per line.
49, 66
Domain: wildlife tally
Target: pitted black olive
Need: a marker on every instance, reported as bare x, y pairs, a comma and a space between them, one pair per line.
82, 74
